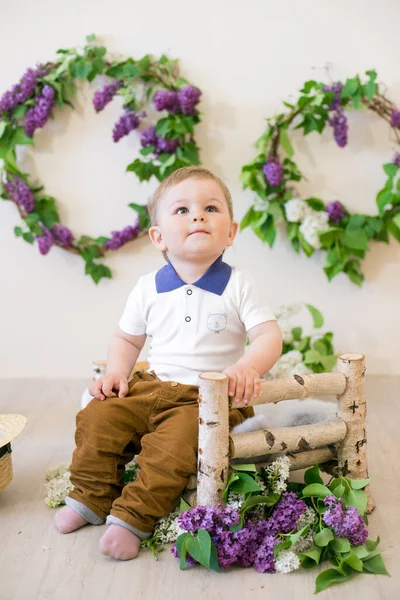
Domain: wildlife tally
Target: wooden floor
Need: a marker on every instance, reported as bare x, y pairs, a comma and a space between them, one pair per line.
38, 563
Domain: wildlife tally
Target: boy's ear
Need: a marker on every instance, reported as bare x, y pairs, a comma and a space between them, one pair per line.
233, 232
156, 237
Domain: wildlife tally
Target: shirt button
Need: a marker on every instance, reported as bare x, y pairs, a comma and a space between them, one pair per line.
174, 384
187, 319
189, 292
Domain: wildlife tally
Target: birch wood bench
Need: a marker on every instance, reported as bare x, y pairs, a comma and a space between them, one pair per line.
339, 446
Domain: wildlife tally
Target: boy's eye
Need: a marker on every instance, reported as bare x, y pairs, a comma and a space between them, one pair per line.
211, 208
182, 210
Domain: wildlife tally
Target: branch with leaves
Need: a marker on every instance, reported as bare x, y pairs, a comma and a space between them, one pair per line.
310, 223
166, 145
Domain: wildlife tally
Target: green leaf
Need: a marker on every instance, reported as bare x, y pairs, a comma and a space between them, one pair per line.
358, 499
327, 578
91, 38
285, 142
323, 537
353, 561
361, 551
356, 239
244, 484
350, 88
311, 558
371, 545
328, 362
18, 231
375, 565
28, 237
199, 547
312, 475
244, 467
181, 549
20, 138
183, 506
339, 490
340, 545
358, 484
390, 169
3, 127
318, 319
316, 490
296, 332
384, 197
248, 218
269, 500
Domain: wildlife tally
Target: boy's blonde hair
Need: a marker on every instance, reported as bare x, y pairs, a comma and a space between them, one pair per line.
192, 172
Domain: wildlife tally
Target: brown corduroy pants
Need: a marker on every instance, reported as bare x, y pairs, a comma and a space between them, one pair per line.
158, 422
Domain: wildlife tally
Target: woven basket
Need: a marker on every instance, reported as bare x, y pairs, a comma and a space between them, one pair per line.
6, 470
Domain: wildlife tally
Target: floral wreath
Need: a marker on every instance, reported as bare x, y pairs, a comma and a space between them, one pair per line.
166, 145
310, 224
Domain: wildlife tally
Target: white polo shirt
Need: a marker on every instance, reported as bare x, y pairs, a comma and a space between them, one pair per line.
197, 327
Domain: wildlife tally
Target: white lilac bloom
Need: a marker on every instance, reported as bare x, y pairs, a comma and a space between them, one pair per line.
286, 331
278, 474
286, 311
304, 544
287, 561
297, 210
235, 500
58, 485
299, 369
167, 529
312, 224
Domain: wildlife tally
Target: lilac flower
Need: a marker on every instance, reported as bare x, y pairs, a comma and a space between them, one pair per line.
45, 241
286, 513
62, 235
264, 561
273, 171
339, 123
346, 523
102, 97
395, 118
148, 136
166, 100
37, 115
188, 97
210, 518
336, 89
335, 211
119, 238
21, 91
20, 192
125, 125
396, 159
164, 145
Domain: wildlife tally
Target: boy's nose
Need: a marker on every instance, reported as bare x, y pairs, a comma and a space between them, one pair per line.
198, 218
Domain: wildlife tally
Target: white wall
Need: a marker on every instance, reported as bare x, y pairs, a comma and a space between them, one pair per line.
53, 319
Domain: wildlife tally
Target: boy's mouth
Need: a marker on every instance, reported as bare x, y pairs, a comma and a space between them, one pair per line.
199, 231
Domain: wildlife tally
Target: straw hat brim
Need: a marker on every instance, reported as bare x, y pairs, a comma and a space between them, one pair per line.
10, 427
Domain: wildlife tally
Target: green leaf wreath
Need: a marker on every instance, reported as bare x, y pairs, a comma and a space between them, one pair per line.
165, 146
310, 224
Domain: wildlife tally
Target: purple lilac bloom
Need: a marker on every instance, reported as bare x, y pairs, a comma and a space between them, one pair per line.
340, 126
125, 125
336, 89
148, 136
166, 100
62, 235
102, 97
396, 159
335, 211
21, 91
210, 518
20, 192
286, 513
119, 238
395, 118
37, 115
273, 171
164, 145
45, 241
188, 97
346, 523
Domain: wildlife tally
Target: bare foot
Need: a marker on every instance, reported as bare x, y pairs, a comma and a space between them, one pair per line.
67, 519
118, 542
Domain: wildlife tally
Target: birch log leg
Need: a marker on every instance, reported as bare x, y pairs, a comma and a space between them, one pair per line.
213, 458
352, 408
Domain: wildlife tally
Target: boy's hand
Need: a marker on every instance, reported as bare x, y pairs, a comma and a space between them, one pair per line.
103, 388
244, 383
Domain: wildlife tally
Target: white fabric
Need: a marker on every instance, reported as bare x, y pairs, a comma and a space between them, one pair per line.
193, 330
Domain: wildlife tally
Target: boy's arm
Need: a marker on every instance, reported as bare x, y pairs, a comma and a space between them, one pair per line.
122, 355
265, 349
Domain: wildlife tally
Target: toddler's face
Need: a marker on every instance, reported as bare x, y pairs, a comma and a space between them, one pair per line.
193, 220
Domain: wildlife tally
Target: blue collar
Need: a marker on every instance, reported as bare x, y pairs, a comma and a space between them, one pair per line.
214, 280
